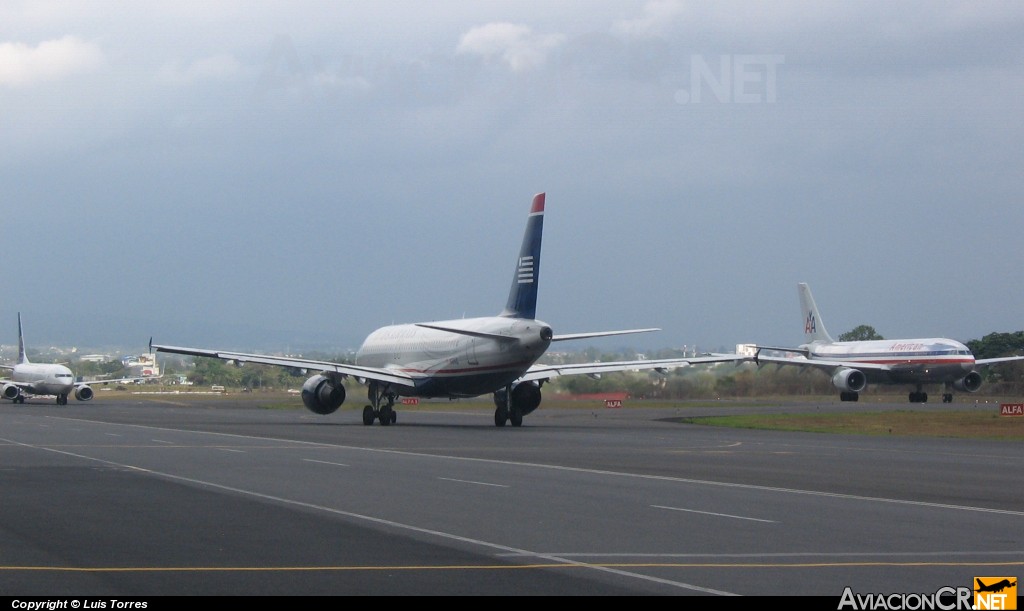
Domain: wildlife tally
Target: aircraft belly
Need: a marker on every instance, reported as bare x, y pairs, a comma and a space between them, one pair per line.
47, 389
464, 385
913, 373
471, 369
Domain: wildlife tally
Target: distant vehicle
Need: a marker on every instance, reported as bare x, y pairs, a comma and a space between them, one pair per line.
465, 357
42, 379
919, 361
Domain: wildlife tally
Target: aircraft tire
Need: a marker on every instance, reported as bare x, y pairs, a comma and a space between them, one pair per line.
500, 416
368, 415
516, 418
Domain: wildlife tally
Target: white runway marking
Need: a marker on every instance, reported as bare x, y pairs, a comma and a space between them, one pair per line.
710, 513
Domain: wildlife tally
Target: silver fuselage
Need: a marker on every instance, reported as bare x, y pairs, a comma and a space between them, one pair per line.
44, 378
927, 360
472, 356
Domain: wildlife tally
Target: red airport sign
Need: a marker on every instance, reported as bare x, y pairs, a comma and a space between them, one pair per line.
1011, 409
410, 401
613, 403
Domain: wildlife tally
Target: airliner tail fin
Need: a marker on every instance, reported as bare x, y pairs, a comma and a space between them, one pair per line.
814, 328
22, 357
522, 297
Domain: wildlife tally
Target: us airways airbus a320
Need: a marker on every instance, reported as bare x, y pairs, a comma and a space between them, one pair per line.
466, 357
916, 362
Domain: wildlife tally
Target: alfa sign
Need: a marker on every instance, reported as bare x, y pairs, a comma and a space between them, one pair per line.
1011, 409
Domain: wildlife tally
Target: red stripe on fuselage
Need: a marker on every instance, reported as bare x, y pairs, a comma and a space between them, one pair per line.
464, 370
897, 360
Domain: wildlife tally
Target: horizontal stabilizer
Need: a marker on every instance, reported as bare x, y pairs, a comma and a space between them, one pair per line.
568, 336
466, 332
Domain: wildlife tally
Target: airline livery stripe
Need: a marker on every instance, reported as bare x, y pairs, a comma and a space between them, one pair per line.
537, 206
525, 272
894, 360
483, 369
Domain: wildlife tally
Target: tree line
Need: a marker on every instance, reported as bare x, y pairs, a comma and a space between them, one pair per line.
697, 382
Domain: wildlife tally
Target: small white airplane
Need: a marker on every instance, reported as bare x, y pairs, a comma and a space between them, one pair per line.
457, 358
43, 379
918, 361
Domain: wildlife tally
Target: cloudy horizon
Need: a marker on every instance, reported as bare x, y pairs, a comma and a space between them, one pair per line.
255, 175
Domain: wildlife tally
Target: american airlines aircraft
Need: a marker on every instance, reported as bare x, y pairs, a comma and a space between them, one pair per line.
457, 358
30, 379
919, 361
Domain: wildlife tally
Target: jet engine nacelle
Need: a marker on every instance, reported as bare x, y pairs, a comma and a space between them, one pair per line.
83, 392
322, 395
851, 380
970, 382
10, 391
525, 397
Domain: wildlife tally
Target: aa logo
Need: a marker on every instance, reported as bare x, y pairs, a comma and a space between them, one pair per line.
809, 326
995, 593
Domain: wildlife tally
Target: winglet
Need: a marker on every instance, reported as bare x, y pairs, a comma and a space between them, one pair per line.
522, 297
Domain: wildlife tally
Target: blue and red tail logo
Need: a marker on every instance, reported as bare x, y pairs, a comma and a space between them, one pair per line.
809, 326
522, 297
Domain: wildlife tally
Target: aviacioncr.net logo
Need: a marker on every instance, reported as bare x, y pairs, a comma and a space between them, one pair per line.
995, 593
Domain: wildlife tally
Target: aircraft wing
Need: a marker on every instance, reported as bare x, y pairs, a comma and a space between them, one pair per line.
1002, 359
369, 373
25, 386
824, 364
568, 336
545, 372
119, 380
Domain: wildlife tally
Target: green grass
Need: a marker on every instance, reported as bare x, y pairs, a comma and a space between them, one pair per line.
959, 424
980, 421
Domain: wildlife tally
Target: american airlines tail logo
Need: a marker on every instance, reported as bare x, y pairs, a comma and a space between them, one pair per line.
809, 326
525, 270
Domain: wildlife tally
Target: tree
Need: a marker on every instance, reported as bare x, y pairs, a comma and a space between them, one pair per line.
995, 345
860, 333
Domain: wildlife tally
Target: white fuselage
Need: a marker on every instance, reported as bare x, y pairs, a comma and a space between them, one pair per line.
463, 358
44, 378
910, 360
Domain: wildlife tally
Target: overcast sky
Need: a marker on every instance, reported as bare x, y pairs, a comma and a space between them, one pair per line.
261, 175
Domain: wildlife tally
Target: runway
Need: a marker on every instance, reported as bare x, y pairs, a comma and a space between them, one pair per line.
156, 496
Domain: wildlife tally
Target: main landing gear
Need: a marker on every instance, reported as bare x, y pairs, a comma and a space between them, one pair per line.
376, 411
919, 396
62, 399
922, 397
505, 411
